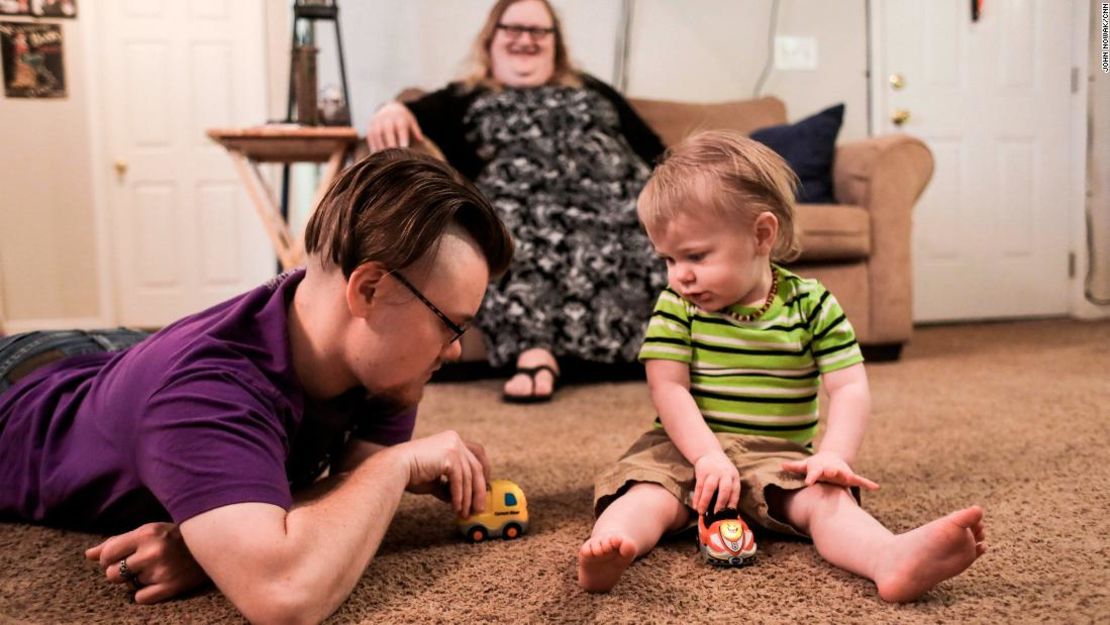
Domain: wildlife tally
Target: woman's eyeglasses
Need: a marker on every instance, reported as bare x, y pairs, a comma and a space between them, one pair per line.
514, 31
456, 330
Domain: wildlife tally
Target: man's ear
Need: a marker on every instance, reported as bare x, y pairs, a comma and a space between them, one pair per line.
766, 232
362, 286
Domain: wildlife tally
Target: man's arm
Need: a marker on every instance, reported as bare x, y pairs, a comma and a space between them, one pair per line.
299, 566
356, 453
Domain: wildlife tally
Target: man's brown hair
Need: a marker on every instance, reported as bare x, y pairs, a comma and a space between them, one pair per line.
729, 174
481, 70
393, 206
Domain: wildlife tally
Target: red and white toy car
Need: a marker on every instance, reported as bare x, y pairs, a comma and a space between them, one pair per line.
724, 539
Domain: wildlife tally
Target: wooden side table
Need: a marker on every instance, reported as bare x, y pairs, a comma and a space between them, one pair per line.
283, 143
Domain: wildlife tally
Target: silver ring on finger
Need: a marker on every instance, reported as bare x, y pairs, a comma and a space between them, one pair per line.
129, 576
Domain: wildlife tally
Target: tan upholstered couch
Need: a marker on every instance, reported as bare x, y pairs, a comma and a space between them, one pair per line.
860, 247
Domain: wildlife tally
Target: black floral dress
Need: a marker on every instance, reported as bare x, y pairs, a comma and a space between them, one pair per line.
564, 180
557, 164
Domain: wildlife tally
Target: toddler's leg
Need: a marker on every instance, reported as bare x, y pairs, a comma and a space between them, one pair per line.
903, 566
628, 528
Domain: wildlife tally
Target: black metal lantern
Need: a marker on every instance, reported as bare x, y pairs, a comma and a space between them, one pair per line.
303, 96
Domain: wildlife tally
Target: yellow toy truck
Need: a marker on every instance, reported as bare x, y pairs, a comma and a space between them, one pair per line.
506, 514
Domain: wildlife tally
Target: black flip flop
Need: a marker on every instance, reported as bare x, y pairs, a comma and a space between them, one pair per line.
533, 398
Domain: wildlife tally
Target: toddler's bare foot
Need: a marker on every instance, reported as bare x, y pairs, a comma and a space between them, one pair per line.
920, 559
601, 561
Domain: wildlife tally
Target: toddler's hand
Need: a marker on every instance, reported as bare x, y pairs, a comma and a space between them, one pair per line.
825, 466
714, 473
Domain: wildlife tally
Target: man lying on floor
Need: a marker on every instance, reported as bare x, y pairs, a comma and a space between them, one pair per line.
217, 427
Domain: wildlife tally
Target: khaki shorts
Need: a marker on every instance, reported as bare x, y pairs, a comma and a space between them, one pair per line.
655, 459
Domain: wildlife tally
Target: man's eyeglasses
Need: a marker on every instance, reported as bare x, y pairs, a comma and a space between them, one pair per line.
456, 330
514, 31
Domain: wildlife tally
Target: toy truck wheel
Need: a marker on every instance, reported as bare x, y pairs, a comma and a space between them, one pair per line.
511, 531
477, 534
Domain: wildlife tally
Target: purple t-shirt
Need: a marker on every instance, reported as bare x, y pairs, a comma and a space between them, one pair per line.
206, 413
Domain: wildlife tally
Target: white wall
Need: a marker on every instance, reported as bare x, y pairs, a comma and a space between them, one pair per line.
695, 50
711, 50
393, 44
47, 237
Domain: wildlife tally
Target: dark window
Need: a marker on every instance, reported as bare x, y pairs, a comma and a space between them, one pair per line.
510, 499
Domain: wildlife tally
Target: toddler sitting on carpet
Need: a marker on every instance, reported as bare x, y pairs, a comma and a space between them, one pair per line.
735, 353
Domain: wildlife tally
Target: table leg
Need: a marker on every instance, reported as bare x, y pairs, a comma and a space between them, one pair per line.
268, 211
330, 170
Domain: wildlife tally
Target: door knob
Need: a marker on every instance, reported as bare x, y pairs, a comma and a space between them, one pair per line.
897, 81
900, 116
120, 166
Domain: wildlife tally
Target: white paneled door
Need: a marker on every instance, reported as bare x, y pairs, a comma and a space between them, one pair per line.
181, 233
991, 99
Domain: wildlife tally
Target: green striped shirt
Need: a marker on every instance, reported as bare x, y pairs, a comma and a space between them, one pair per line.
758, 377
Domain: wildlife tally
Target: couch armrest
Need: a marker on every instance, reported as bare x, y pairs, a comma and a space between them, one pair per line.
886, 175
859, 163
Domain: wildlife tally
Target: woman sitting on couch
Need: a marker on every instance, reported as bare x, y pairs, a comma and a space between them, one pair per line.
562, 157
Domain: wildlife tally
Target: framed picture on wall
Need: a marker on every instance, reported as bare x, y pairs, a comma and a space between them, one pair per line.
54, 8
15, 7
31, 54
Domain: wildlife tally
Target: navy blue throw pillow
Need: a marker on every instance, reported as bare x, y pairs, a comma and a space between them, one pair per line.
808, 146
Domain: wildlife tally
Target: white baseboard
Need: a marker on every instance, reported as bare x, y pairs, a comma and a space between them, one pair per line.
16, 326
1089, 312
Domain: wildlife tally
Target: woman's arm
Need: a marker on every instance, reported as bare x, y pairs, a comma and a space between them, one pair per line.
393, 126
639, 135
440, 115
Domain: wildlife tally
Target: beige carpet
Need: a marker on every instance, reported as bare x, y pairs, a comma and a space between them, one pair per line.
1013, 416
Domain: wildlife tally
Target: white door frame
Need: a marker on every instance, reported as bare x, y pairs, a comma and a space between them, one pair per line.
1081, 59
92, 34
1077, 192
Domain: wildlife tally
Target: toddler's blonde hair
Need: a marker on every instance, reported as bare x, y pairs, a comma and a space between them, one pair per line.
728, 173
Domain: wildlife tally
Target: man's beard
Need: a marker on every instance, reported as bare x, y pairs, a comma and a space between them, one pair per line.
394, 399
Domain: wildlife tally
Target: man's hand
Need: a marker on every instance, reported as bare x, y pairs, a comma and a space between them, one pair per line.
714, 473
392, 126
156, 555
445, 463
829, 467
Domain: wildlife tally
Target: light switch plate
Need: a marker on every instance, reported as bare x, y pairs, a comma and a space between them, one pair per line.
795, 52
